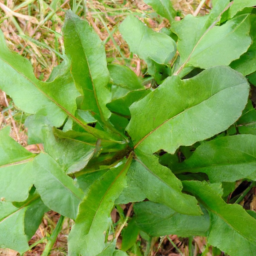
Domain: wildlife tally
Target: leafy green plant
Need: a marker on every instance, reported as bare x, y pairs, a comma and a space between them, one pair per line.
109, 140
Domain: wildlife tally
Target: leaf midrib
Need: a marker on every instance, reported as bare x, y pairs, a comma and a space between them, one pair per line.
86, 127
169, 119
89, 69
129, 160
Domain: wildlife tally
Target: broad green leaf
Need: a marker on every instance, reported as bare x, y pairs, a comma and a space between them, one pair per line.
120, 253
16, 172
188, 110
70, 154
56, 189
88, 65
94, 212
221, 45
246, 63
124, 77
121, 105
227, 159
146, 43
202, 44
56, 99
160, 185
18, 223
108, 250
191, 29
163, 8
239, 5
12, 233
232, 228
86, 180
160, 220
247, 122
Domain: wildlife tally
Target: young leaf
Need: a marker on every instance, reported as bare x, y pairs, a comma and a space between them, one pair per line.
121, 105
56, 189
224, 159
188, 111
160, 220
161, 185
163, 8
16, 172
88, 65
71, 155
232, 228
93, 217
124, 77
148, 44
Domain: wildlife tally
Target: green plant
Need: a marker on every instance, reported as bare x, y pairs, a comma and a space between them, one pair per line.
109, 141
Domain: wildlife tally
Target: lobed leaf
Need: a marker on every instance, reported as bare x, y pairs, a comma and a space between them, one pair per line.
232, 228
159, 185
239, 5
225, 159
17, 224
16, 172
188, 110
56, 189
88, 65
160, 220
87, 235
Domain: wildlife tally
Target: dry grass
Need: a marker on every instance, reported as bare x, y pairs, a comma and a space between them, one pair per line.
33, 29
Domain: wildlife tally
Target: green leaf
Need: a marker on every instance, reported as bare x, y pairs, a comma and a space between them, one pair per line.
70, 154
223, 159
13, 238
239, 5
161, 185
160, 220
16, 172
108, 250
121, 105
88, 65
146, 43
18, 223
56, 99
247, 122
188, 111
56, 189
124, 77
94, 212
246, 63
223, 44
129, 235
202, 44
232, 228
163, 8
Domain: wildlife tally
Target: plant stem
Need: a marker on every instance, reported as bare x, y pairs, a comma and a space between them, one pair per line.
240, 198
53, 237
125, 221
147, 251
190, 246
175, 246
